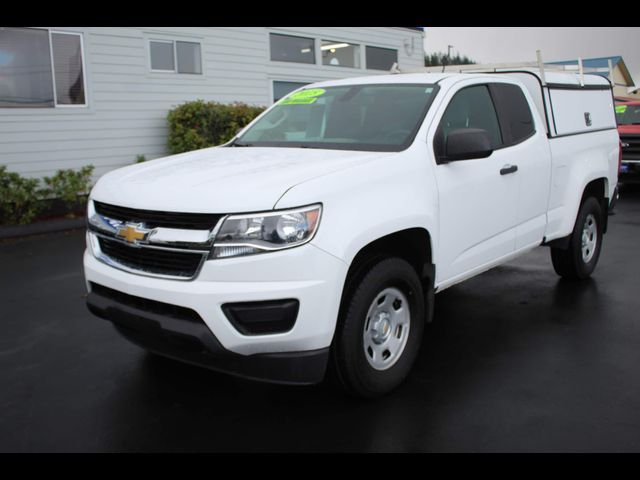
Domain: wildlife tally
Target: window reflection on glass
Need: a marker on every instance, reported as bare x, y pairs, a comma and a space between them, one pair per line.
67, 64
349, 117
162, 56
628, 114
25, 68
281, 89
381, 58
188, 54
340, 54
287, 48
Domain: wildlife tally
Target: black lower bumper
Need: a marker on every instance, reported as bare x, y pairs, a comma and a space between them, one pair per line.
180, 333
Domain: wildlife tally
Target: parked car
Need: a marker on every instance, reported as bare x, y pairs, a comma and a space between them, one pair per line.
628, 118
318, 237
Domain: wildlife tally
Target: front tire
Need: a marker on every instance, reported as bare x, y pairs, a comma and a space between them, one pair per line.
579, 260
379, 334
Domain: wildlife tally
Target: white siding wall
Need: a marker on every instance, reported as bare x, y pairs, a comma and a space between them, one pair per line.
128, 104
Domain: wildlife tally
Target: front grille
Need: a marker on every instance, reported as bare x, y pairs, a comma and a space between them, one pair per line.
151, 260
154, 218
146, 305
632, 152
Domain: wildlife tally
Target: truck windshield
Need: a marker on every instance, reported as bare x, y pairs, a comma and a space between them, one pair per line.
628, 114
380, 117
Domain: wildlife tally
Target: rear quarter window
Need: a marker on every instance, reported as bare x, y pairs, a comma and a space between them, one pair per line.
515, 115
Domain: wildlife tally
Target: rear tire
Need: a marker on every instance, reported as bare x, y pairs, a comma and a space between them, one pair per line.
579, 260
379, 334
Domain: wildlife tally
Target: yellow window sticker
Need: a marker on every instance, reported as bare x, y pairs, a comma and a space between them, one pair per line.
621, 108
303, 97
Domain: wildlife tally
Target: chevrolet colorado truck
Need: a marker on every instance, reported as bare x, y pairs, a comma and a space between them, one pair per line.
318, 237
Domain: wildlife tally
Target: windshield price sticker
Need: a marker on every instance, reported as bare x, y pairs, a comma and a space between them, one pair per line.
621, 108
304, 97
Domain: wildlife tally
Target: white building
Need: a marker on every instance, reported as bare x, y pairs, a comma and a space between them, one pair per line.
100, 95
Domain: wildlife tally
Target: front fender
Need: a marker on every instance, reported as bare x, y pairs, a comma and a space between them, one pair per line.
370, 201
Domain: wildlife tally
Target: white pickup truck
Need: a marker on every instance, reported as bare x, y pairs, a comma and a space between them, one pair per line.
317, 238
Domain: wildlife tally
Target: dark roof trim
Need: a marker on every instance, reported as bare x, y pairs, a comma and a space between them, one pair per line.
570, 86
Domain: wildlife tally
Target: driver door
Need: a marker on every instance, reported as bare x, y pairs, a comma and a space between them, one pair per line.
477, 199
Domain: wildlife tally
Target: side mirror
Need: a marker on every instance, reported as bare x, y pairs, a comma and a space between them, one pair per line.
466, 144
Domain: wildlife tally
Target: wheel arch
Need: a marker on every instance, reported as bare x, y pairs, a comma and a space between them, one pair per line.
597, 188
411, 244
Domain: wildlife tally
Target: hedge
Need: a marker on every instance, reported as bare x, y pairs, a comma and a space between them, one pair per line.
23, 199
19, 198
200, 124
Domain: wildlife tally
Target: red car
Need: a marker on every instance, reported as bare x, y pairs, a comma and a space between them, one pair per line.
628, 116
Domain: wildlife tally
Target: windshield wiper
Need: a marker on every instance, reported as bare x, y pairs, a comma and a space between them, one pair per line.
235, 143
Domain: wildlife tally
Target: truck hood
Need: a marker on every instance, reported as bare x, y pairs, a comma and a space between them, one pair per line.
221, 179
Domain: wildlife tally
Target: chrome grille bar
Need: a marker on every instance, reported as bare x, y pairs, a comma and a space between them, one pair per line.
149, 251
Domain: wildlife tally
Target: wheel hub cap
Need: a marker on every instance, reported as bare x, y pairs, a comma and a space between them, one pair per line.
381, 328
386, 328
589, 238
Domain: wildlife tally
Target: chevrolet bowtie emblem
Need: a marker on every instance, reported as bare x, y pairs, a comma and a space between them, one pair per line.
133, 233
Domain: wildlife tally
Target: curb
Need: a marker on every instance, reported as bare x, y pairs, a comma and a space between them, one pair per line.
49, 226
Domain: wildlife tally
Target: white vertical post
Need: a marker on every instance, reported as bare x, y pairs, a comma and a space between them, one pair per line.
541, 67
581, 71
53, 72
611, 71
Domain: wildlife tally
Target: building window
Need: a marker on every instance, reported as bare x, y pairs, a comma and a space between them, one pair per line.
282, 89
340, 54
381, 58
162, 56
176, 57
287, 48
40, 68
67, 66
189, 57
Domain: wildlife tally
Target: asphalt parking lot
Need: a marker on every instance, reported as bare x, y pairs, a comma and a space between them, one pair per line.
516, 360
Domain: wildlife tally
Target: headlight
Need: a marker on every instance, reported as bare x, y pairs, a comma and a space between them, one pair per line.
264, 232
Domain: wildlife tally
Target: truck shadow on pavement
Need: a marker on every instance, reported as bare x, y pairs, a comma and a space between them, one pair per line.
485, 362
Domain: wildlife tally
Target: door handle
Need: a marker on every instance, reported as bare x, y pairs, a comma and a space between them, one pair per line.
507, 169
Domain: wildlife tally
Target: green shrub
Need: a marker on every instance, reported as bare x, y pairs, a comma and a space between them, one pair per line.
199, 124
19, 197
70, 186
140, 158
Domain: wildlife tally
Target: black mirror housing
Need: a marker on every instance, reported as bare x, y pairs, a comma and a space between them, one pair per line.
466, 144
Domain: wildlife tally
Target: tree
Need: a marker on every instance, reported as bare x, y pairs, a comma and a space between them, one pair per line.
440, 58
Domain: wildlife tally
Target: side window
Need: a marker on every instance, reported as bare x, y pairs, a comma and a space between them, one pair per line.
514, 111
471, 107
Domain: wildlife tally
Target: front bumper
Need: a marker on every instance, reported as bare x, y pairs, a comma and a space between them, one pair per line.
306, 273
191, 341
